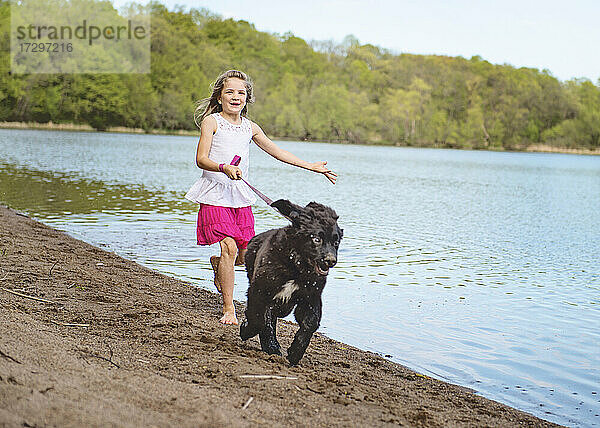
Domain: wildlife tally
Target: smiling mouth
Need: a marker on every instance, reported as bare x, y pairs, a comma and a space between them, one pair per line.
320, 271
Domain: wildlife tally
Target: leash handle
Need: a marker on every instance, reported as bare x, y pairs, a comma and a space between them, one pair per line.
235, 162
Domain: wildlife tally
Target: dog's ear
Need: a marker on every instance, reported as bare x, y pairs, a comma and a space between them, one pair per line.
323, 209
287, 209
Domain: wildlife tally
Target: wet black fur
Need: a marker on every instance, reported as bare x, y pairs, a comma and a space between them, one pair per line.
302, 252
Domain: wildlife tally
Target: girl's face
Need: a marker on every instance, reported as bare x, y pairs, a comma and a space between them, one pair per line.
233, 96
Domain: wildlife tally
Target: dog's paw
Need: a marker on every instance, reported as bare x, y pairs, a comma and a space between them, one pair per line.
272, 349
294, 355
245, 331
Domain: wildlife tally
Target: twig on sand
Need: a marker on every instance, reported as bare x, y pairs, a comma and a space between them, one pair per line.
109, 359
245, 406
111, 352
268, 377
89, 354
314, 390
2, 354
69, 324
52, 268
30, 297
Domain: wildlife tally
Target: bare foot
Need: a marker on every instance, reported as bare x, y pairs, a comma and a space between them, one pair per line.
229, 318
214, 262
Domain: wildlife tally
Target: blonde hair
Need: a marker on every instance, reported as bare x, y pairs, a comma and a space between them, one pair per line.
211, 104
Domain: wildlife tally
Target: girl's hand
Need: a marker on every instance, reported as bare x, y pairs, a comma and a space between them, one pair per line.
232, 172
278, 153
321, 168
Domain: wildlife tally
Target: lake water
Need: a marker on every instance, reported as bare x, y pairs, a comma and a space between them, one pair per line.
478, 268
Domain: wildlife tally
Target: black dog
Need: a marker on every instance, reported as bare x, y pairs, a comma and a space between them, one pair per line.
288, 268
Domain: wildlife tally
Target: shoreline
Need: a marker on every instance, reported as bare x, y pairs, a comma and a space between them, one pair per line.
113, 342
534, 148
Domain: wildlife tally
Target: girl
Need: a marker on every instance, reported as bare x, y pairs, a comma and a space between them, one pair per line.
225, 215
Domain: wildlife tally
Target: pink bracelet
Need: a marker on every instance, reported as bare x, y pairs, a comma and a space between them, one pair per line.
221, 167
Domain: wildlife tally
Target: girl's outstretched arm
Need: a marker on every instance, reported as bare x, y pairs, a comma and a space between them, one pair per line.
278, 153
207, 129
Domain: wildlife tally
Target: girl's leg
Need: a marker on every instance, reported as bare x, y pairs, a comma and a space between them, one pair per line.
214, 262
239, 261
226, 277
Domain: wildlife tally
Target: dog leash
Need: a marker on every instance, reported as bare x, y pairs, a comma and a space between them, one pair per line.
235, 162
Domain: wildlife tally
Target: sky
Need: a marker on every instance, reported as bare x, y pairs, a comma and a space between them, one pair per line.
559, 35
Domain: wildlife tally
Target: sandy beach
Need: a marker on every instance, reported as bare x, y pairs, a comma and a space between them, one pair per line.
88, 338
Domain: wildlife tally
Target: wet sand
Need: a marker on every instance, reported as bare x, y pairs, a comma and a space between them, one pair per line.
112, 343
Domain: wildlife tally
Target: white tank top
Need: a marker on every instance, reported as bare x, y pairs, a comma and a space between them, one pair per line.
216, 188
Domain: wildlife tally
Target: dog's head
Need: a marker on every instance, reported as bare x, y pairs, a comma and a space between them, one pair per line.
316, 235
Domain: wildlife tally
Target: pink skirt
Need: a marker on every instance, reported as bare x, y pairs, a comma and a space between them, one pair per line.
216, 223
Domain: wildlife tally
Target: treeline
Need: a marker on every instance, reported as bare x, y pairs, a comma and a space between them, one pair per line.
320, 91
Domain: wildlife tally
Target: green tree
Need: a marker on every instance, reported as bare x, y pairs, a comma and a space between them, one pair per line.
317, 91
